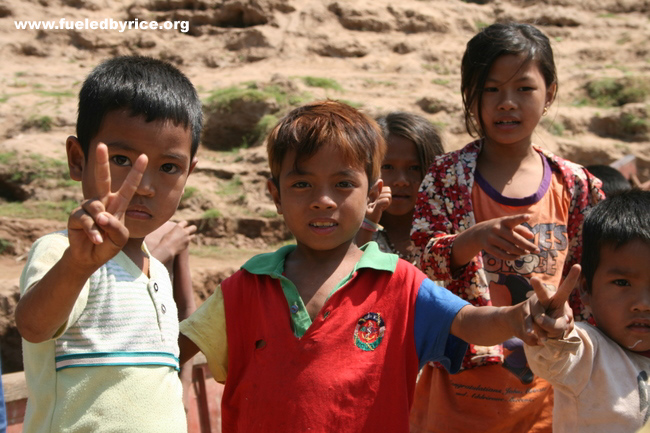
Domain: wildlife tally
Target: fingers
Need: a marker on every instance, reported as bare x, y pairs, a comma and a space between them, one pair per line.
514, 220
557, 318
102, 172
505, 238
383, 202
377, 208
567, 286
119, 203
508, 246
80, 219
114, 230
543, 293
190, 230
553, 327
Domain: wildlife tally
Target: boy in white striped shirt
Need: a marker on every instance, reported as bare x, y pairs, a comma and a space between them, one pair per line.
97, 312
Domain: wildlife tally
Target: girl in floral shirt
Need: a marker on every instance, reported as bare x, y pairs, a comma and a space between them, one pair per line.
489, 217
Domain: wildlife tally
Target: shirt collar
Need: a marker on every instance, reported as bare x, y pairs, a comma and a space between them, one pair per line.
272, 264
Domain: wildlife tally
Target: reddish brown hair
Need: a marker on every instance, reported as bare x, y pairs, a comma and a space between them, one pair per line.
307, 129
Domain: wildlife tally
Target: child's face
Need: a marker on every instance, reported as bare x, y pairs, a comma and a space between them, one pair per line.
323, 200
401, 171
514, 98
167, 147
620, 294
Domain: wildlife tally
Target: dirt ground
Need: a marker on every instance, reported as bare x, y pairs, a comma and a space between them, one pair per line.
378, 55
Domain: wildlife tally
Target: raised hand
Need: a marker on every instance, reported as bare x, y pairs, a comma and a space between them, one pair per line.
96, 229
376, 209
179, 237
551, 312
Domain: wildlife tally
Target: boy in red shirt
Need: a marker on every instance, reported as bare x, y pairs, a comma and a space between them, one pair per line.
324, 335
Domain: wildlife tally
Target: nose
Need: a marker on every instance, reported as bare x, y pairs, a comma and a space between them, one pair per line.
146, 186
506, 102
322, 199
401, 178
642, 301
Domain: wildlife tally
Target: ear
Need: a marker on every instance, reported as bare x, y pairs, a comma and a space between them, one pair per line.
374, 191
76, 158
550, 94
192, 165
275, 194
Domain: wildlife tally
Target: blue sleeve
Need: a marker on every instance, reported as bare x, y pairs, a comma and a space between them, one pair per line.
435, 309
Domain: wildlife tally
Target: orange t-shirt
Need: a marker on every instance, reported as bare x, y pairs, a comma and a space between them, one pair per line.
507, 397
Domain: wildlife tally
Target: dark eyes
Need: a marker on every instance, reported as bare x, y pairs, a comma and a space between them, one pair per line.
124, 161
342, 184
390, 167
621, 282
494, 89
169, 168
121, 160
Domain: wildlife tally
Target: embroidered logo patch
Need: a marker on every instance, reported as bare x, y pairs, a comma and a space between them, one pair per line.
369, 331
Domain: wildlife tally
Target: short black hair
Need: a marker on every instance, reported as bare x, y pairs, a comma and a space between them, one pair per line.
619, 219
613, 180
147, 87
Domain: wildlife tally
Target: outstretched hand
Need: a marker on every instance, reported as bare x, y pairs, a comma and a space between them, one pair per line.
96, 229
551, 312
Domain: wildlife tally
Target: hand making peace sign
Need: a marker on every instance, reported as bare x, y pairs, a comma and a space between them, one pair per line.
556, 319
96, 229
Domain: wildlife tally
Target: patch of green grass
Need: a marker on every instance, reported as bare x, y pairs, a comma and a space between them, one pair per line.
36, 166
480, 25
56, 94
555, 128
437, 68
232, 187
188, 192
615, 92
440, 81
371, 82
269, 214
634, 125
624, 39
5, 245
46, 166
7, 158
222, 99
58, 211
211, 214
266, 123
42, 123
440, 126
322, 82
